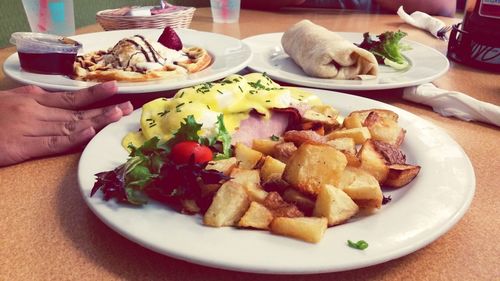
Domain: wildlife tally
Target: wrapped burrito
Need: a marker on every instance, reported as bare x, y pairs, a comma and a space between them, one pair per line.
323, 53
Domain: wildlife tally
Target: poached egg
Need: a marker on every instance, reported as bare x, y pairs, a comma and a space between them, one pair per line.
235, 97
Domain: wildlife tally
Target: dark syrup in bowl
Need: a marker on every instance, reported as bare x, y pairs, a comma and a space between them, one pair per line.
47, 63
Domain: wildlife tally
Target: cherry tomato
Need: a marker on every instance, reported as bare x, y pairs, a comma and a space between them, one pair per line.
181, 152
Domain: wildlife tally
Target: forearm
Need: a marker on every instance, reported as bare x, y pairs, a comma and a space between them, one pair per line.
438, 7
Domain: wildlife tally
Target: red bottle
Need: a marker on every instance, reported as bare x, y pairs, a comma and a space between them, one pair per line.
476, 41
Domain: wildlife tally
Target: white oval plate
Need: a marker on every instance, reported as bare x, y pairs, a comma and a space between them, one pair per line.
230, 55
417, 215
427, 64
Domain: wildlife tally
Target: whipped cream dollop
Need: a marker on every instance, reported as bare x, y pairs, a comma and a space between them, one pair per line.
144, 54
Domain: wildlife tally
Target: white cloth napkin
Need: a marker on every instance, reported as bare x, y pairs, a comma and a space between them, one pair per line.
451, 103
422, 20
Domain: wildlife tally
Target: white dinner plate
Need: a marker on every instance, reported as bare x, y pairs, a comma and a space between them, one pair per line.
230, 55
417, 215
426, 65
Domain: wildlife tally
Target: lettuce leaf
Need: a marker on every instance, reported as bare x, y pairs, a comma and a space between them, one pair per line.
388, 48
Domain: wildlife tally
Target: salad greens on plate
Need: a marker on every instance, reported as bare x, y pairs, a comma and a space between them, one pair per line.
388, 48
152, 172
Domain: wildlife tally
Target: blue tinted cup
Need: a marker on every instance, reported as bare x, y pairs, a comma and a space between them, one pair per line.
50, 16
225, 11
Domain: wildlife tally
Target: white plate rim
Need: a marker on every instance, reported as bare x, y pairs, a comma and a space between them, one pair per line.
307, 81
440, 142
13, 70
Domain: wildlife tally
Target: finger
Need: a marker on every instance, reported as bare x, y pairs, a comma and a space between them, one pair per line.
68, 128
74, 100
57, 114
29, 89
50, 145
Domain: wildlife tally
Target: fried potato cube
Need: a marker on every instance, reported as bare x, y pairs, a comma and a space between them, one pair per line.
224, 166
247, 157
309, 229
271, 168
334, 204
362, 187
356, 119
228, 206
343, 144
353, 120
250, 179
275, 182
348, 147
256, 193
384, 129
303, 136
359, 135
373, 161
312, 166
257, 216
400, 175
303, 202
323, 114
265, 146
245, 177
391, 153
352, 159
283, 151
279, 207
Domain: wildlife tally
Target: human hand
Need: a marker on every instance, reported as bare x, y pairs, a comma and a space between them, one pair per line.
36, 123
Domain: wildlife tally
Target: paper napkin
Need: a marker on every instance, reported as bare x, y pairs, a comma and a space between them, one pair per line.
452, 103
422, 20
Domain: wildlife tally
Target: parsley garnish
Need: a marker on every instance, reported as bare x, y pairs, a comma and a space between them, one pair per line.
257, 85
360, 245
151, 122
163, 113
275, 138
178, 107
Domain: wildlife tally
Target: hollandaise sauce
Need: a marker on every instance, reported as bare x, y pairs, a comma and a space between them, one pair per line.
235, 97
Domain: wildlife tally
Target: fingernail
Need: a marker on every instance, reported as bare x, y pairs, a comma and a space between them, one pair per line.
126, 106
109, 86
111, 111
88, 133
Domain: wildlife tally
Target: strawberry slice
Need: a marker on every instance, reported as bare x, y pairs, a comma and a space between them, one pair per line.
170, 39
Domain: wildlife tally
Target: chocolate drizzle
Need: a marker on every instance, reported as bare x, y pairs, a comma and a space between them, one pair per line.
130, 58
140, 48
151, 49
101, 61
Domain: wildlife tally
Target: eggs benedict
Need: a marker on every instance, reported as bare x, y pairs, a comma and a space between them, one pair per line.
250, 100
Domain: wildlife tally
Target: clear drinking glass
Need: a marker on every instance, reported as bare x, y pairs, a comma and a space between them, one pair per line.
225, 11
50, 16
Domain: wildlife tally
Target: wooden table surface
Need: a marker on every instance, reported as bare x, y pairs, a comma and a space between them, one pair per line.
48, 233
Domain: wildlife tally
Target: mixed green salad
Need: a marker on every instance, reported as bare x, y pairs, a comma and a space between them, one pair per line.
388, 48
170, 172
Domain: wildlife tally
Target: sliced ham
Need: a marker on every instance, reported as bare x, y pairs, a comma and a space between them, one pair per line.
257, 127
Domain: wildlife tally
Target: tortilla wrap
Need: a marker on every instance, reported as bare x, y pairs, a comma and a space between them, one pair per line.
325, 54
